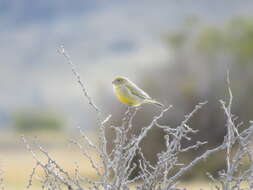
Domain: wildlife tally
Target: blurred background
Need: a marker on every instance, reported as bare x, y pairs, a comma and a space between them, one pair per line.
177, 51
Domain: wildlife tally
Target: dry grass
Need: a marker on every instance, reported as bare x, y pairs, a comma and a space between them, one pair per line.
17, 162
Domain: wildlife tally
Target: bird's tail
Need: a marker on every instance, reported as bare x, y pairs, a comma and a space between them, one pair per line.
150, 101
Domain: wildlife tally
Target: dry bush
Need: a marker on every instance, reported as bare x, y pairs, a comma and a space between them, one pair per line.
116, 166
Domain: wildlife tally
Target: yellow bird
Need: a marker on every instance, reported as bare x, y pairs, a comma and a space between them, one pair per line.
129, 93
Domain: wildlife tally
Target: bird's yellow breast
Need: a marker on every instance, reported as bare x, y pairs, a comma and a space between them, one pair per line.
125, 97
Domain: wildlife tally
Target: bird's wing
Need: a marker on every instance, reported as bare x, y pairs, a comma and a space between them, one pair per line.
135, 90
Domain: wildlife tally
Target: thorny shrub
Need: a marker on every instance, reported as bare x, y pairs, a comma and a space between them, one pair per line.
116, 166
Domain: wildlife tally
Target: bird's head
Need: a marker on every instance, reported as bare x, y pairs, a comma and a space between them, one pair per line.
119, 81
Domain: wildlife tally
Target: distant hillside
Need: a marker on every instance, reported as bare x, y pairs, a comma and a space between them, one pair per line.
98, 34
